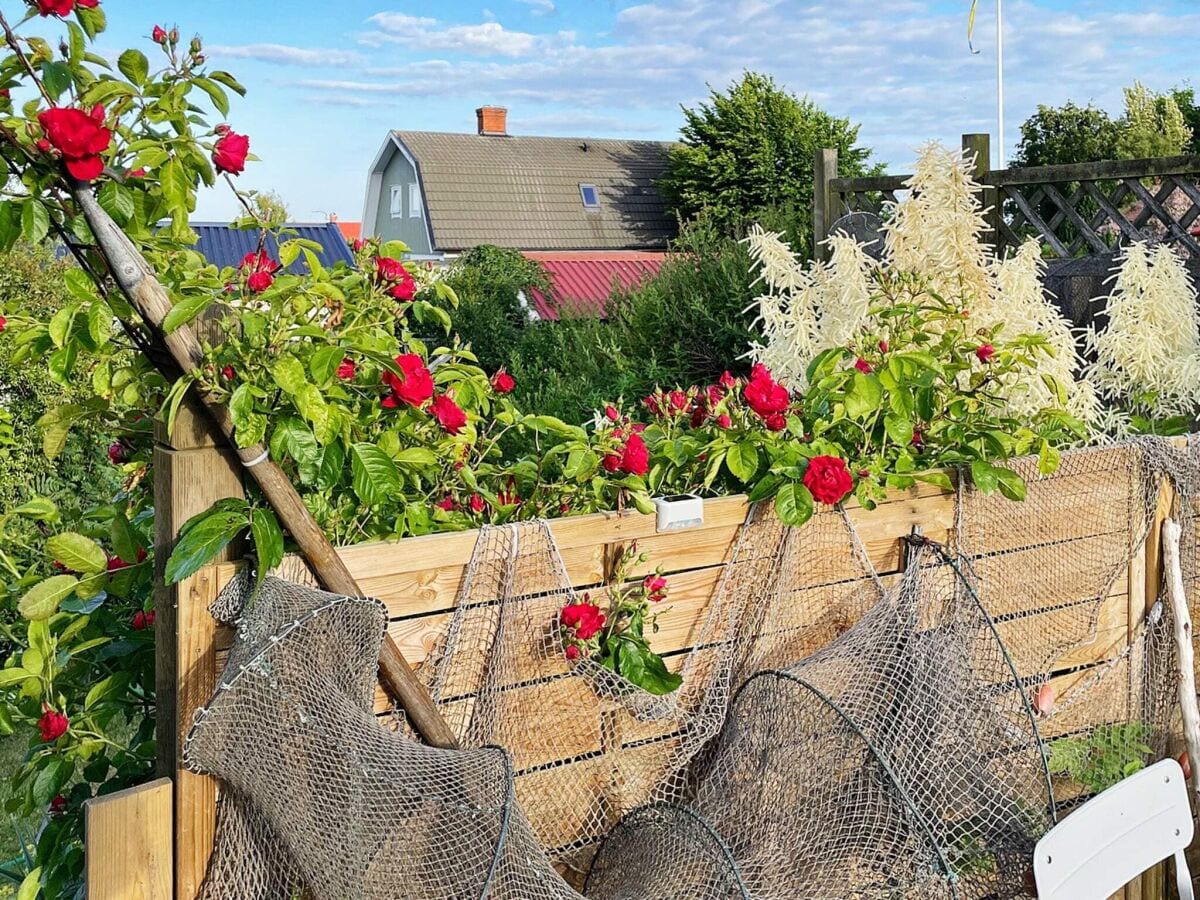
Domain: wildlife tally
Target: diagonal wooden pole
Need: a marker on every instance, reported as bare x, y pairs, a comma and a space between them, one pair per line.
142, 289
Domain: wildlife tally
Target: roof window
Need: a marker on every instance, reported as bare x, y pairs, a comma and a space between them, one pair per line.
590, 196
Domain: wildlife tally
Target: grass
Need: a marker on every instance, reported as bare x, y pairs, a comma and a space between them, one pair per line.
12, 753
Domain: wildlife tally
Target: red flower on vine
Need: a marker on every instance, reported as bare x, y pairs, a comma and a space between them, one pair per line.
828, 479
346, 369
52, 724
79, 136
449, 414
585, 619
230, 151
414, 384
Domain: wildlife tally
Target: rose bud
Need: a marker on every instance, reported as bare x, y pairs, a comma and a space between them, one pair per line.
863, 366
158, 35
883, 346
52, 725
503, 383
118, 453
985, 352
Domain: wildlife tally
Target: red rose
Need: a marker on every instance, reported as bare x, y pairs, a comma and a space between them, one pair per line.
55, 7
727, 381
260, 270
612, 413
678, 400
230, 152
3, 324
764, 394
447, 503
653, 404
228, 373
611, 463
405, 290
883, 346
138, 622
118, 452
724, 421
776, 422
80, 137
346, 370
585, 618
985, 352
414, 385
448, 413
158, 35
572, 651
863, 366
477, 503
116, 564
58, 805
389, 269
656, 588
503, 383
635, 458
357, 245
828, 479
53, 725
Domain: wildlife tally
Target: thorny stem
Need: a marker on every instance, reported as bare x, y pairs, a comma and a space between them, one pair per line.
11, 40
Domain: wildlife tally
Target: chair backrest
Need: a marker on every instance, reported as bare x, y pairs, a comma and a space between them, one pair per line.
1117, 835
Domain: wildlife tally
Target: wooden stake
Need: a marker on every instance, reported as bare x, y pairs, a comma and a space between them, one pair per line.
144, 292
1183, 640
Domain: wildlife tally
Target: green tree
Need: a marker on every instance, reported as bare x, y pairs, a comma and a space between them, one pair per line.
749, 150
1058, 135
1185, 99
1153, 125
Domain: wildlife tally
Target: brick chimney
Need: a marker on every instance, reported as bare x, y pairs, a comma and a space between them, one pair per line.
492, 120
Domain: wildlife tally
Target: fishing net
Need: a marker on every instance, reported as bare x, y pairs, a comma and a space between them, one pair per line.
837, 734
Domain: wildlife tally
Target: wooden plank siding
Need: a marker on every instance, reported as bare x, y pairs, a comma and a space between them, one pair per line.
418, 580
129, 844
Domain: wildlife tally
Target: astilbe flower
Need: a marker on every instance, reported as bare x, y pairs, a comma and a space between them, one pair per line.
1151, 344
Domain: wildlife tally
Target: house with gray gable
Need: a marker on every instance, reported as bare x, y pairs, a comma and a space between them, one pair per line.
443, 193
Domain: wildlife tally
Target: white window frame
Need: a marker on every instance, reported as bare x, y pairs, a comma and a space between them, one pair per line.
583, 197
397, 201
414, 201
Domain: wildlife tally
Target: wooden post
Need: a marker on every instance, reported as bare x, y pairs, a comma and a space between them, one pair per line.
825, 200
128, 844
1182, 619
980, 146
193, 468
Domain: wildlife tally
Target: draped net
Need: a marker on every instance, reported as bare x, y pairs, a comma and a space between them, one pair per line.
837, 733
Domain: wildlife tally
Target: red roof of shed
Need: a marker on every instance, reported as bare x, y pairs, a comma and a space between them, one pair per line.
584, 281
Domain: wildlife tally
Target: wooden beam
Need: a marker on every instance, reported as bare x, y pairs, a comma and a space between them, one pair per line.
1098, 171
825, 200
128, 844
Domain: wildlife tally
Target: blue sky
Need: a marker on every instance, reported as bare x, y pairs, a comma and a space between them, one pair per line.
328, 79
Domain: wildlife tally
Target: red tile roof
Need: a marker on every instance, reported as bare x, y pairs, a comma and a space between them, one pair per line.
583, 281
350, 230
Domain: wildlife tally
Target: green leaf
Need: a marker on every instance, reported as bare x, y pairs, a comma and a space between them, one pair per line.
333, 461
1012, 485
898, 428
219, 98
268, 540
76, 552
15, 675
186, 310
116, 201
56, 76
50, 780
203, 537
31, 886
793, 504
92, 19
742, 460
40, 508
1048, 459
418, 457
985, 476
35, 222
374, 476
938, 479
42, 600
324, 363
228, 80
864, 396
125, 541
765, 488
289, 374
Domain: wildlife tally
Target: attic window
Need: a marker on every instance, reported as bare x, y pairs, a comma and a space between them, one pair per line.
590, 196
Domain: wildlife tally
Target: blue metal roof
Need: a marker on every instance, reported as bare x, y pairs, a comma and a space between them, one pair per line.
224, 246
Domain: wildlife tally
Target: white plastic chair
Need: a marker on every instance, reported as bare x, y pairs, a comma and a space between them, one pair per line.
1117, 835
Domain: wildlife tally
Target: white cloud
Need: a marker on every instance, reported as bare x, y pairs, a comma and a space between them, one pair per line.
283, 54
482, 39
541, 7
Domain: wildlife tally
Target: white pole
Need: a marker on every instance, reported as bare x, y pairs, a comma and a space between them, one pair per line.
1000, 82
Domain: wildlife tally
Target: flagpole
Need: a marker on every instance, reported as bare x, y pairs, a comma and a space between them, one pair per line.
1000, 82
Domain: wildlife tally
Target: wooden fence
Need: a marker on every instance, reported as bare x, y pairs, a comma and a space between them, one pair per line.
1074, 210
418, 579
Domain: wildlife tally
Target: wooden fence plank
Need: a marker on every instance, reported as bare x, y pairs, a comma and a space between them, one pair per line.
129, 841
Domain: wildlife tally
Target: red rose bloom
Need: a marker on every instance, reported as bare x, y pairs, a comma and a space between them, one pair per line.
635, 458
985, 352
80, 137
448, 413
404, 290
656, 588
55, 7
389, 269
230, 152
585, 618
883, 347
572, 651
724, 421
346, 369
58, 805
828, 479
863, 366
118, 453
764, 394
477, 503
53, 725
260, 270
678, 400
228, 373
158, 35
776, 422
611, 463
414, 385
446, 503
3, 324
612, 413
503, 383
138, 622
727, 381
